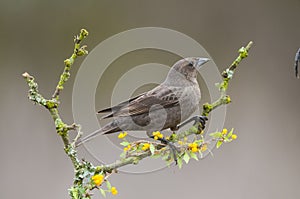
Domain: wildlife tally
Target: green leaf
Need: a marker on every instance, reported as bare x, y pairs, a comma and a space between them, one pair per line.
124, 143
194, 156
152, 148
139, 147
211, 153
166, 157
216, 134
186, 157
108, 185
201, 154
122, 155
81, 190
102, 192
219, 143
154, 156
74, 193
199, 141
229, 134
169, 162
179, 162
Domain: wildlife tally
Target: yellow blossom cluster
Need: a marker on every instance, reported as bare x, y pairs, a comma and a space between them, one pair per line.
122, 135
98, 179
193, 147
146, 146
224, 131
157, 135
127, 148
114, 191
234, 136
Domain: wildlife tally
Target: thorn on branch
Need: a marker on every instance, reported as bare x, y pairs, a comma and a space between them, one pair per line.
82, 51
27, 76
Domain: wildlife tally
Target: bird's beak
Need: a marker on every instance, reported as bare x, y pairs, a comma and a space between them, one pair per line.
201, 61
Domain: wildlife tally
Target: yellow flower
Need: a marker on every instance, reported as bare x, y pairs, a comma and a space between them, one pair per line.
234, 136
224, 131
127, 148
228, 100
114, 191
122, 135
98, 179
193, 147
146, 146
157, 135
203, 148
180, 142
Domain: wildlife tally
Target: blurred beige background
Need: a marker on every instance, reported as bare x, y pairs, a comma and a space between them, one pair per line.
263, 163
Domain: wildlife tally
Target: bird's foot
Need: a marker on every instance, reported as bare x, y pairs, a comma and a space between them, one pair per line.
173, 149
197, 119
200, 119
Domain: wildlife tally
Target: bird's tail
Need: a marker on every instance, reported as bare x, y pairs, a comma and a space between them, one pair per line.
107, 129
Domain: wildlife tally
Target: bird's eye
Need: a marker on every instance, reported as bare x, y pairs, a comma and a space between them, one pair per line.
190, 64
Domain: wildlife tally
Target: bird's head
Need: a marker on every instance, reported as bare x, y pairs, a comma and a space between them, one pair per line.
186, 68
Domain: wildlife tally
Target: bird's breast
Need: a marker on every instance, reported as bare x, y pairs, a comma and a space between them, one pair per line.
189, 101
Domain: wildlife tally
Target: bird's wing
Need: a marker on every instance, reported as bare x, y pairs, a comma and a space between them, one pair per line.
161, 95
119, 106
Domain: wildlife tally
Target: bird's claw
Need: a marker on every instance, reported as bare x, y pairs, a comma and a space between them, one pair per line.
198, 119
202, 120
173, 149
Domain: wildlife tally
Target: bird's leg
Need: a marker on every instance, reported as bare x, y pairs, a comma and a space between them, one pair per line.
197, 119
173, 148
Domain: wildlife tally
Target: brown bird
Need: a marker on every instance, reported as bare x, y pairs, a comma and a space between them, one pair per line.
163, 107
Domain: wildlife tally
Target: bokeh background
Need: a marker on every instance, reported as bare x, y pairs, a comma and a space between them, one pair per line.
264, 162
